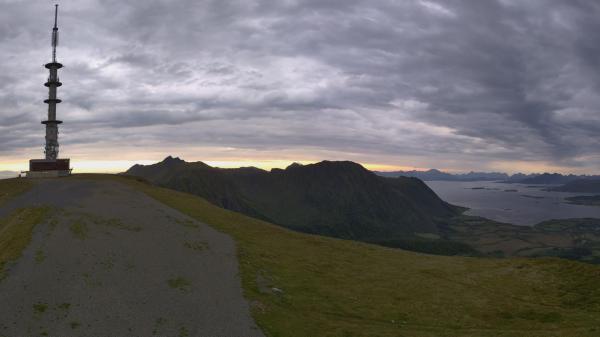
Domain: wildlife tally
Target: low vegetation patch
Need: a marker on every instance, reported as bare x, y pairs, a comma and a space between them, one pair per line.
64, 306
107, 222
184, 222
115, 223
79, 229
16, 231
40, 256
158, 325
107, 263
90, 281
179, 283
183, 332
195, 245
40, 308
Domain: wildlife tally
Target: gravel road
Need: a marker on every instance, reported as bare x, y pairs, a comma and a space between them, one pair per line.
110, 261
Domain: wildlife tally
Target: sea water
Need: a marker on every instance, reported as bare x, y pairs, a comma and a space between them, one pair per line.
512, 203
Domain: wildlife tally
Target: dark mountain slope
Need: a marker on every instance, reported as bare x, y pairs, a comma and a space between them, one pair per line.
340, 199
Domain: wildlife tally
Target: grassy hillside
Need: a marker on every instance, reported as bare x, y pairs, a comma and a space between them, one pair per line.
9, 188
339, 199
305, 285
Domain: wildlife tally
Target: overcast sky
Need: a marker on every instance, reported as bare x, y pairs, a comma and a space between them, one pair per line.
481, 84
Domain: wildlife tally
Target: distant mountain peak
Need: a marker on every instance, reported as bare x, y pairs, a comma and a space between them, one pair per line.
435, 174
171, 160
328, 165
293, 166
339, 163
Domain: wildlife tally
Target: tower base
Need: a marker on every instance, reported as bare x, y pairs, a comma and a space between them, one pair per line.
44, 168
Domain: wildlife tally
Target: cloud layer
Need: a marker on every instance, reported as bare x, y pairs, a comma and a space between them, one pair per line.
454, 84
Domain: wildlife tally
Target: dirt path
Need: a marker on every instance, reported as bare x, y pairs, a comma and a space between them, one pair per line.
114, 262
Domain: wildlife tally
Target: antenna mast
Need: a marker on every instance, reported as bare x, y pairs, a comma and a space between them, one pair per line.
55, 33
53, 83
51, 166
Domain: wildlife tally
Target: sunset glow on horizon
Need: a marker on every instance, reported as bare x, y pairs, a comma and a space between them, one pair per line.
87, 165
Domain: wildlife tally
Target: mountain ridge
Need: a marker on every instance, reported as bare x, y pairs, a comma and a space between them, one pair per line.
334, 198
521, 178
437, 175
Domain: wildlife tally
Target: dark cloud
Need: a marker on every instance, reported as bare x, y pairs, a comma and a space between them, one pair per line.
426, 83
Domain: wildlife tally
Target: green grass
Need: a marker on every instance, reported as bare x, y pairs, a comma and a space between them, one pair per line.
16, 231
40, 256
183, 332
158, 325
40, 308
79, 229
303, 285
64, 306
179, 283
9, 188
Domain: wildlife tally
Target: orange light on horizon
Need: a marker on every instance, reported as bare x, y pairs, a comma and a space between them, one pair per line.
117, 166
